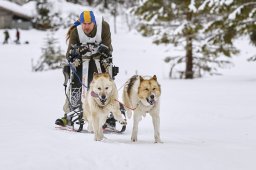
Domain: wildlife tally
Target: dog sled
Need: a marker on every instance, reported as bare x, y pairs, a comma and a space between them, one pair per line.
78, 73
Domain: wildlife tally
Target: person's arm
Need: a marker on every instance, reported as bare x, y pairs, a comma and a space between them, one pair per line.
74, 39
106, 35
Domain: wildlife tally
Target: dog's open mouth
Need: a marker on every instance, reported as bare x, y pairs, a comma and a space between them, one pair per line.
151, 101
103, 101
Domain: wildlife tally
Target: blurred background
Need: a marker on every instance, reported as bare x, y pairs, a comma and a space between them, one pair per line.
197, 36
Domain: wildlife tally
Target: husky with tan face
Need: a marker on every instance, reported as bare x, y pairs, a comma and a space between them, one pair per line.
99, 101
141, 95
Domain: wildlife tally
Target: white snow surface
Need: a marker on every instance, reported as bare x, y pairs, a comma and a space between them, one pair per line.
206, 124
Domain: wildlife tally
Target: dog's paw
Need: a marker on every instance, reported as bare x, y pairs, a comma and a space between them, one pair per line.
90, 131
97, 138
90, 128
134, 139
158, 141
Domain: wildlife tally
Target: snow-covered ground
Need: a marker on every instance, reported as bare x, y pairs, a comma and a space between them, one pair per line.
206, 124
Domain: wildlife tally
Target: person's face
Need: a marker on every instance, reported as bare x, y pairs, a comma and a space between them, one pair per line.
88, 27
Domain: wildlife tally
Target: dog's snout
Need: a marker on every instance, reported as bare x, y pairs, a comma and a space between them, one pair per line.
152, 96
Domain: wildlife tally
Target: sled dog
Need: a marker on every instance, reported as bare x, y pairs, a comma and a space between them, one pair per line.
98, 102
142, 94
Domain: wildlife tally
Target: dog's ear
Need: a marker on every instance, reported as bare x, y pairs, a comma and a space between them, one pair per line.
106, 75
154, 78
141, 78
95, 75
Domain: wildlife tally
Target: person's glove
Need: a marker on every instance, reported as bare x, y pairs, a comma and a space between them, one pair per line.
76, 62
104, 51
84, 49
73, 53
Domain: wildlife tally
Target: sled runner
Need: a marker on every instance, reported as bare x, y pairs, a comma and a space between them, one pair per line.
78, 73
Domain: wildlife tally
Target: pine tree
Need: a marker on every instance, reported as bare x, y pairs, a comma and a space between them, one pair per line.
115, 8
73, 1
42, 21
81, 2
243, 18
200, 27
90, 2
104, 3
47, 18
52, 56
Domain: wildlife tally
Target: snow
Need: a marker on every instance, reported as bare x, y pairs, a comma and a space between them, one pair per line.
180, 28
236, 12
214, 3
15, 8
192, 6
227, 2
219, 2
203, 5
206, 124
65, 8
31, 7
253, 12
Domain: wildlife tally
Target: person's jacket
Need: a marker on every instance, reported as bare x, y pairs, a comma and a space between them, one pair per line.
105, 36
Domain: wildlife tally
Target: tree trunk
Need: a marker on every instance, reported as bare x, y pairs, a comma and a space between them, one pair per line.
105, 4
189, 60
90, 2
115, 14
189, 53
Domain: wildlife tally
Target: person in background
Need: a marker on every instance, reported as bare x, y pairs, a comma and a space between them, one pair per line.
6, 37
17, 41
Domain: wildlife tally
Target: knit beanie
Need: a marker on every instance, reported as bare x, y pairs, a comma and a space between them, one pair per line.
85, 17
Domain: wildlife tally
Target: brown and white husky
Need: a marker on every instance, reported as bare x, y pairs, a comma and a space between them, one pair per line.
141, 95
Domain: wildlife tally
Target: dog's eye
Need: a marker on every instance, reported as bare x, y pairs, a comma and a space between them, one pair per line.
146, 89
154, 88
99, 88
106, 88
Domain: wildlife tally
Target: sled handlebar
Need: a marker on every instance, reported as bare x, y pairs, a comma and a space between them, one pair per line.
87, 51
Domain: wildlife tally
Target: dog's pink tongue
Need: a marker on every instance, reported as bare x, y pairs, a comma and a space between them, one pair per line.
93, 94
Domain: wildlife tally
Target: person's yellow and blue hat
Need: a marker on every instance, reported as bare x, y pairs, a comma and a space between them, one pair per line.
86, 17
